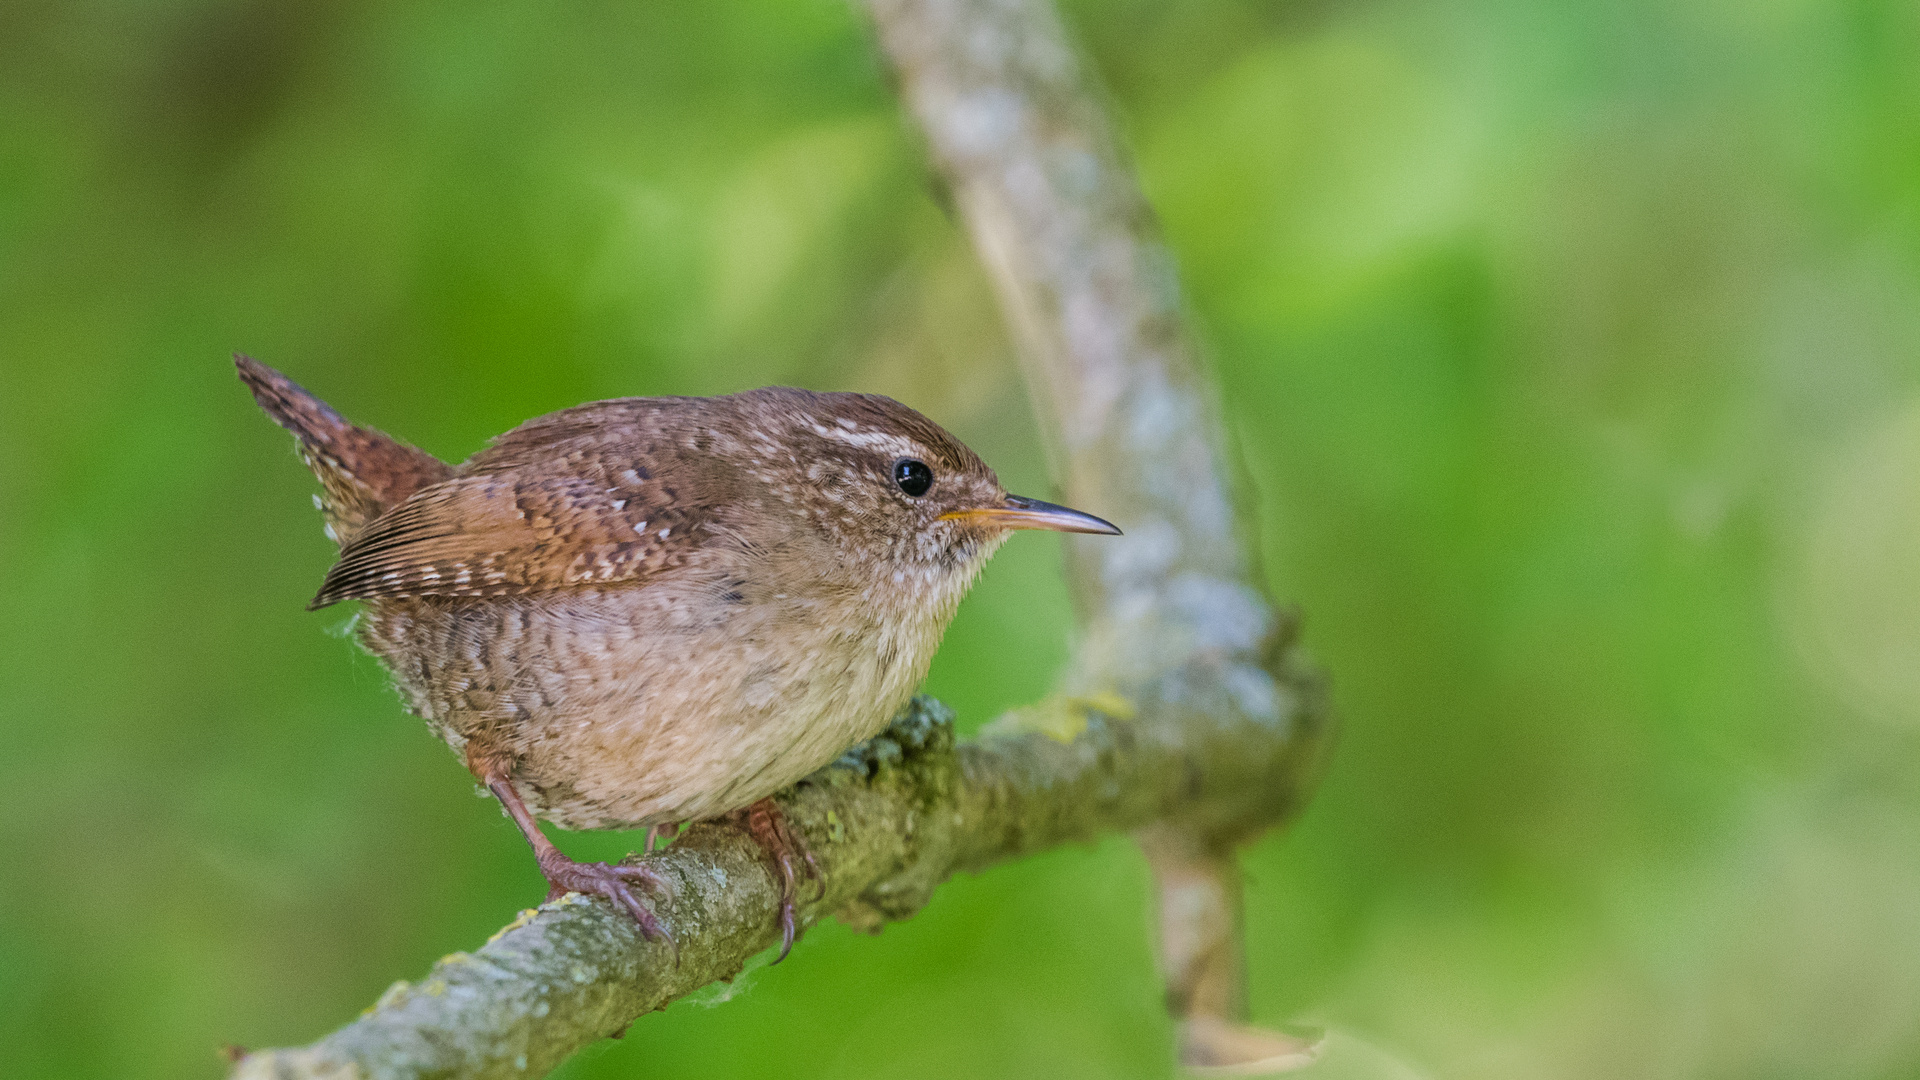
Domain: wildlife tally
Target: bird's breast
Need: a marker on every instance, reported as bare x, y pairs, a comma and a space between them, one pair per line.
675, 701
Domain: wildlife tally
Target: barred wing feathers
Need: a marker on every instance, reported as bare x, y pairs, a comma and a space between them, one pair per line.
492, 534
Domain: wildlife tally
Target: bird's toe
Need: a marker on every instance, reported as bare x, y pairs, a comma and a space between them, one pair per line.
610, 883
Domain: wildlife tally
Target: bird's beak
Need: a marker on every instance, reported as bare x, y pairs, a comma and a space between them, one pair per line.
1021, 513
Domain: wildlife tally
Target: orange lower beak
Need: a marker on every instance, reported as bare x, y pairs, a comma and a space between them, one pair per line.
1021, 513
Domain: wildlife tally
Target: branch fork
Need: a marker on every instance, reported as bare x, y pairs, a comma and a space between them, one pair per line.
1188, 719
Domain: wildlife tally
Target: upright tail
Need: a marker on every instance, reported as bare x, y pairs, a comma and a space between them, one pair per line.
364, 473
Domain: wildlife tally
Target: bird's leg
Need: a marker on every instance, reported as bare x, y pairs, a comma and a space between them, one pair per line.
768, 827
563, 874
656, 833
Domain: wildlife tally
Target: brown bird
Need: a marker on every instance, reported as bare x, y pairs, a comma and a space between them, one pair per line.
647, 611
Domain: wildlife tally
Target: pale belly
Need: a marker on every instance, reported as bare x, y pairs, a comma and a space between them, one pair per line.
626, 708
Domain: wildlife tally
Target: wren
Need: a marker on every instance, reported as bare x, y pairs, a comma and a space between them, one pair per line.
648, 611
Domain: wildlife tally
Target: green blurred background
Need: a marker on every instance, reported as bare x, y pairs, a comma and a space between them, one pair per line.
1574, 348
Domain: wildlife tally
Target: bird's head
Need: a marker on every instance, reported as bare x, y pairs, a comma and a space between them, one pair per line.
891, 486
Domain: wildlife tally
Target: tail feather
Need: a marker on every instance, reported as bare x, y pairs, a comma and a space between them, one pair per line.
363, 473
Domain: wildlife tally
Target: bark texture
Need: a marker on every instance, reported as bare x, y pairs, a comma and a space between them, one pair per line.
889, 821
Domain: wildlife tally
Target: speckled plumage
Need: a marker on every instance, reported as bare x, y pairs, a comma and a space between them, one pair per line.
657, 609
654, 610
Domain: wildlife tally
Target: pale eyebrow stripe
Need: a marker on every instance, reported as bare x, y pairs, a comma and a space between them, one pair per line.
871, 440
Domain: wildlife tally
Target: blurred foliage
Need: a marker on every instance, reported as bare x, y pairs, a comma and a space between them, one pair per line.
1574, 349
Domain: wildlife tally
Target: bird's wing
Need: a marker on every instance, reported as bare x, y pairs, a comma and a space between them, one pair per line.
500, 533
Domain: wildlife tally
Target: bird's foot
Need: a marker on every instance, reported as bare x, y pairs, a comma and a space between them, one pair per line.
564, 875
768, 827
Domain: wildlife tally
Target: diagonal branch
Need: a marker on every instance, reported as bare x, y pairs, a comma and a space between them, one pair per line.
889, 821
1187, 717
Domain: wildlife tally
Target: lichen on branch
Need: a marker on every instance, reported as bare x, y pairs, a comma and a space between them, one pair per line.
889, 821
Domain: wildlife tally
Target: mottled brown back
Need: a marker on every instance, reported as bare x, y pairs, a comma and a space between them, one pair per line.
614, 492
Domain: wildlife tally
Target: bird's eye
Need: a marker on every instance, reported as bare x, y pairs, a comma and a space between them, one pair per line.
913, 476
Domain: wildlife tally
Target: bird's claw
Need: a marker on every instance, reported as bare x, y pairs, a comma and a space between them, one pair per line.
768, 827
564, 875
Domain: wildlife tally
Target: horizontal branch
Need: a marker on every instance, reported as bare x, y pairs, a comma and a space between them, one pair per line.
889, 821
